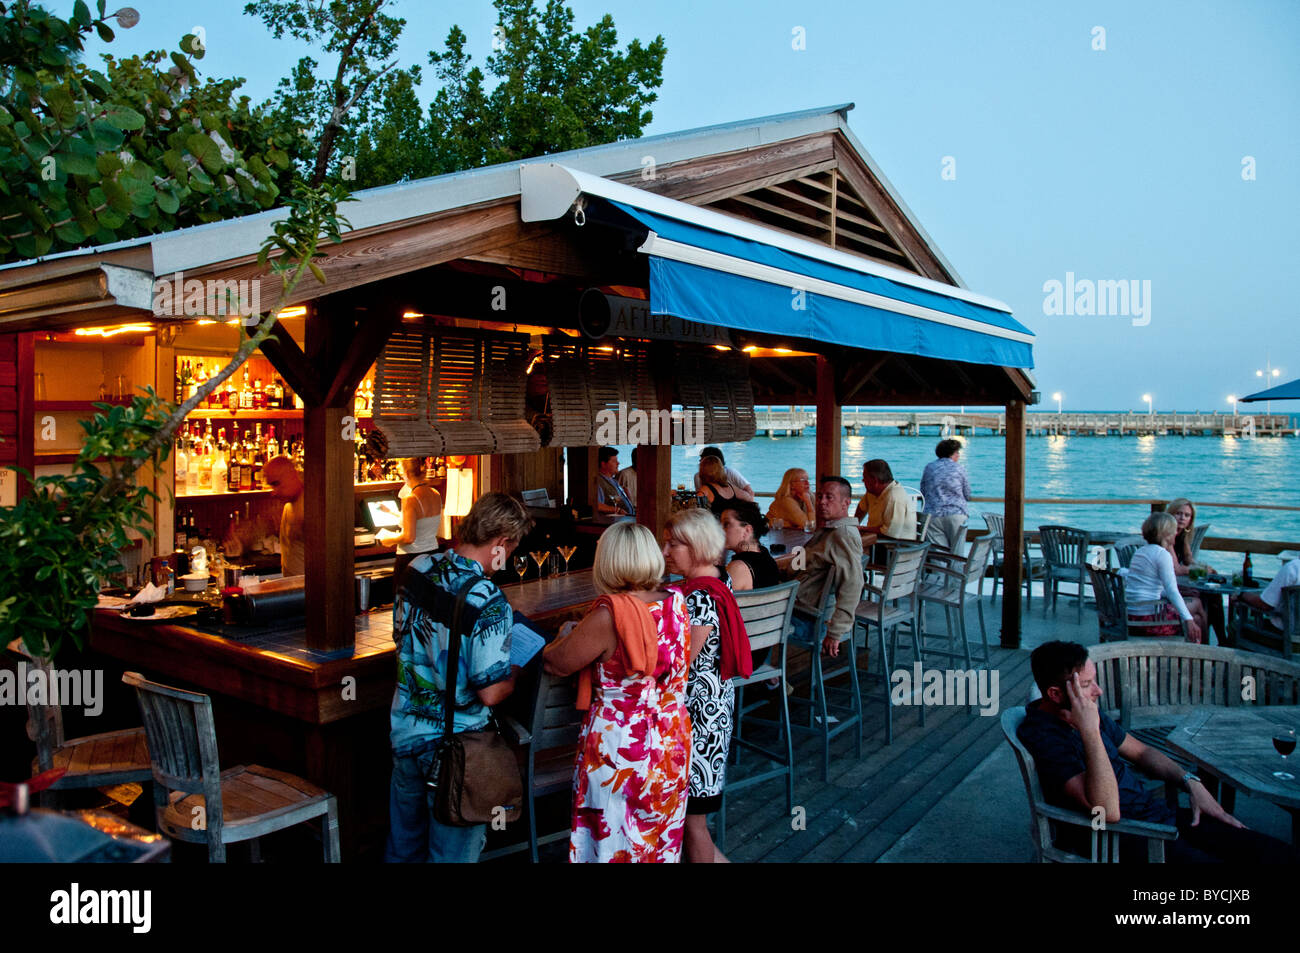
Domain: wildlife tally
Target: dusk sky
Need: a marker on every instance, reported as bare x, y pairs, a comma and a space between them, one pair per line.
1170, 158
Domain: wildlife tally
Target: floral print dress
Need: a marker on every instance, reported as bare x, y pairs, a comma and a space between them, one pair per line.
630, 782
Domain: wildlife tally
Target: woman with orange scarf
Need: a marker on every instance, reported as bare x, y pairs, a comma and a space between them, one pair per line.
631, 653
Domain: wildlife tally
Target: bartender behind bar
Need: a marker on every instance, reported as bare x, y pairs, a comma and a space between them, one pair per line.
286, 485
609, 499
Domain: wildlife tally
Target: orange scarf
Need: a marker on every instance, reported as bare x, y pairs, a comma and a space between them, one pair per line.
637, 634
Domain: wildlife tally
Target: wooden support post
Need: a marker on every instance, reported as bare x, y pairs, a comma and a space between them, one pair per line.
1014, 516
654, 461
25, 369
828, 422
328, 494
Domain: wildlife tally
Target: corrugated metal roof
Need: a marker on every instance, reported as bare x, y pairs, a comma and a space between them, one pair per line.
203, 245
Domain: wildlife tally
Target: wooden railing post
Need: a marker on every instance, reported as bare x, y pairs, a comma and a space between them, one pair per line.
1014, 521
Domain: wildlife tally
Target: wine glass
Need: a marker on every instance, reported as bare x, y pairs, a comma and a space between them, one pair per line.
1284, 742
539, 557
567, 552
521, 566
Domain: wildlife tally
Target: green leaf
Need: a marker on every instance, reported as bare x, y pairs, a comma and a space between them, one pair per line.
110, 219
104, 32
116, 195
108, 163
61, 106
70, 233
205, 150
124, 117
81, 13
168, 203
107, 136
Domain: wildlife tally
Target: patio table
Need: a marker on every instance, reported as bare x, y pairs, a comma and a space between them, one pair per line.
1235, 745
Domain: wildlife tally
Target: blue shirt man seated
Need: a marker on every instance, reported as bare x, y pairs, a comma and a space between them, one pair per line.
1080, 754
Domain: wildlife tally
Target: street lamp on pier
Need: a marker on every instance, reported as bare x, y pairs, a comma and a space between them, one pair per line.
1232, 399
1268, 373
1150, 406
1057, 397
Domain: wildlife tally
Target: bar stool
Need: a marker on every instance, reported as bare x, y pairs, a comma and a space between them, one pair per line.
222, 807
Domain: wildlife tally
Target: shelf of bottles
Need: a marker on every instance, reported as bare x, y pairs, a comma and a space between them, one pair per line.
224, 445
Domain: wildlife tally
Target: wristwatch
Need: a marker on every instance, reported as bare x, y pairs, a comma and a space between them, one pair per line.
1188, 778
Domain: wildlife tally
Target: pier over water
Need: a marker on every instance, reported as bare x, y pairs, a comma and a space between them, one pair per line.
771, 421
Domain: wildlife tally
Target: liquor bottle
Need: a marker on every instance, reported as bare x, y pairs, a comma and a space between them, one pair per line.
205, 467
233, 476
245, 465
232, 396
259, 396
182, 461
272, 445
1247, 573
198, 380
220, 468
245, 394
259, 458
196, 459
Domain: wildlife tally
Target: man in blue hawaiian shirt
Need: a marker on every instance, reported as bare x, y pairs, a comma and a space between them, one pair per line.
421, 619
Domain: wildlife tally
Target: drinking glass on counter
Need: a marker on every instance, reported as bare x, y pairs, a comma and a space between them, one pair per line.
539, 557
1284, 743
521, 566
567, 552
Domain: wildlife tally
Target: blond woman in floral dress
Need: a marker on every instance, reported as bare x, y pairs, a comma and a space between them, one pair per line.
632, 655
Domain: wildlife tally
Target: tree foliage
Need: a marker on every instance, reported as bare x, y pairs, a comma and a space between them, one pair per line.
90, 156
555, 89
360, 34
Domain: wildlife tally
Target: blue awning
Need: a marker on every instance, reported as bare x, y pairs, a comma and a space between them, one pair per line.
719, 270
1288, 391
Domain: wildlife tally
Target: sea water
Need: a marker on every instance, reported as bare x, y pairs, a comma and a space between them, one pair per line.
1204, 469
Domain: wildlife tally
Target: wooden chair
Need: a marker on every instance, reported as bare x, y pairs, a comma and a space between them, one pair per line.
767, 615
1112, 614
819, 709
1065, 559
1045, 819
1125, 549
92, 761
222, 807
1147, 685
949, 579
894, 603
1255, 633
551, 749
997, 525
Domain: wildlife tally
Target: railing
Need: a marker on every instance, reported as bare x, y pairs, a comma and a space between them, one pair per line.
1223, 543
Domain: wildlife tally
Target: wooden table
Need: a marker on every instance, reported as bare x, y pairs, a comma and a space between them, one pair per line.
553, 599
1235, 745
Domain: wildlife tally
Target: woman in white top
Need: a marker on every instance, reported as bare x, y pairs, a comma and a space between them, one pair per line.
1151, 578
421, 517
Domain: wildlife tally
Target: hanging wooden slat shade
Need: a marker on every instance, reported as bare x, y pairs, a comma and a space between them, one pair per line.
445, 391
401, 407
504, 385
454, 411
586, 378
716, 386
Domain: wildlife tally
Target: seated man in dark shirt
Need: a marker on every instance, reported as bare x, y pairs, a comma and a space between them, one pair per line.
1078, 752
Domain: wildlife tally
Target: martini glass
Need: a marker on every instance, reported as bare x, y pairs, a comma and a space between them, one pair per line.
567, 552
539, 557
1284, 742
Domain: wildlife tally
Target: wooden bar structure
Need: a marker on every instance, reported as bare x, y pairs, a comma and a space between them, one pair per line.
454, 252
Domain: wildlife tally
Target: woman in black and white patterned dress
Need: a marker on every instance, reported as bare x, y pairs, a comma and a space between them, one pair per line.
693, 548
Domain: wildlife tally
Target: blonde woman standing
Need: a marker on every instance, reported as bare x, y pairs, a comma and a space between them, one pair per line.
719, 651
630, 781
